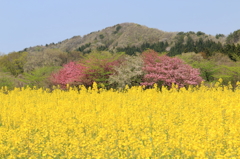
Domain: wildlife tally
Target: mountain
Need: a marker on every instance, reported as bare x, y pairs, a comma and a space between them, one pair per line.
121, 36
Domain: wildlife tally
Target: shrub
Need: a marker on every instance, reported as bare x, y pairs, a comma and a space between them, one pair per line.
165, 70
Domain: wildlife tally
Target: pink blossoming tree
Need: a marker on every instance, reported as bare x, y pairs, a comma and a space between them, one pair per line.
71, 73
165, 70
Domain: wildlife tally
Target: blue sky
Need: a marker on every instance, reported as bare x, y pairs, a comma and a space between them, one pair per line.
28, 23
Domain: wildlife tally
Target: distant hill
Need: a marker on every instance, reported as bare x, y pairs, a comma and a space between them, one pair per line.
124, 35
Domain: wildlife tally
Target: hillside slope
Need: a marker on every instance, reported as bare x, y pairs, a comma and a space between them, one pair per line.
120, 36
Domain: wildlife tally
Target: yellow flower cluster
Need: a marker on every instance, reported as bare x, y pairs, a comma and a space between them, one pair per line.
135, 123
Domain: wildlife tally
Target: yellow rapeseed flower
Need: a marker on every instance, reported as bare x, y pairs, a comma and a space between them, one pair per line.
198, 122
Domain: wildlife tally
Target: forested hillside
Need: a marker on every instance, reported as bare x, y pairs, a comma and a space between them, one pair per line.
106, 55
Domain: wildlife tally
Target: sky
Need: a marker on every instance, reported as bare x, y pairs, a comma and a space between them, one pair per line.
26, 23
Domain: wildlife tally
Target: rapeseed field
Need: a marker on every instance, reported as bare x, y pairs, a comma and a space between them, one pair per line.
136, 123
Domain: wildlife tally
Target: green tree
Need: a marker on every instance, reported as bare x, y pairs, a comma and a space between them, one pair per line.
233, 37
199, 33
200, 45
99, 66
39, 76
207, 67
190, 44
14, 62
219, 36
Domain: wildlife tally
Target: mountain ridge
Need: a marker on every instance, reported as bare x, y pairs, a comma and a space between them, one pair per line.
122, 35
